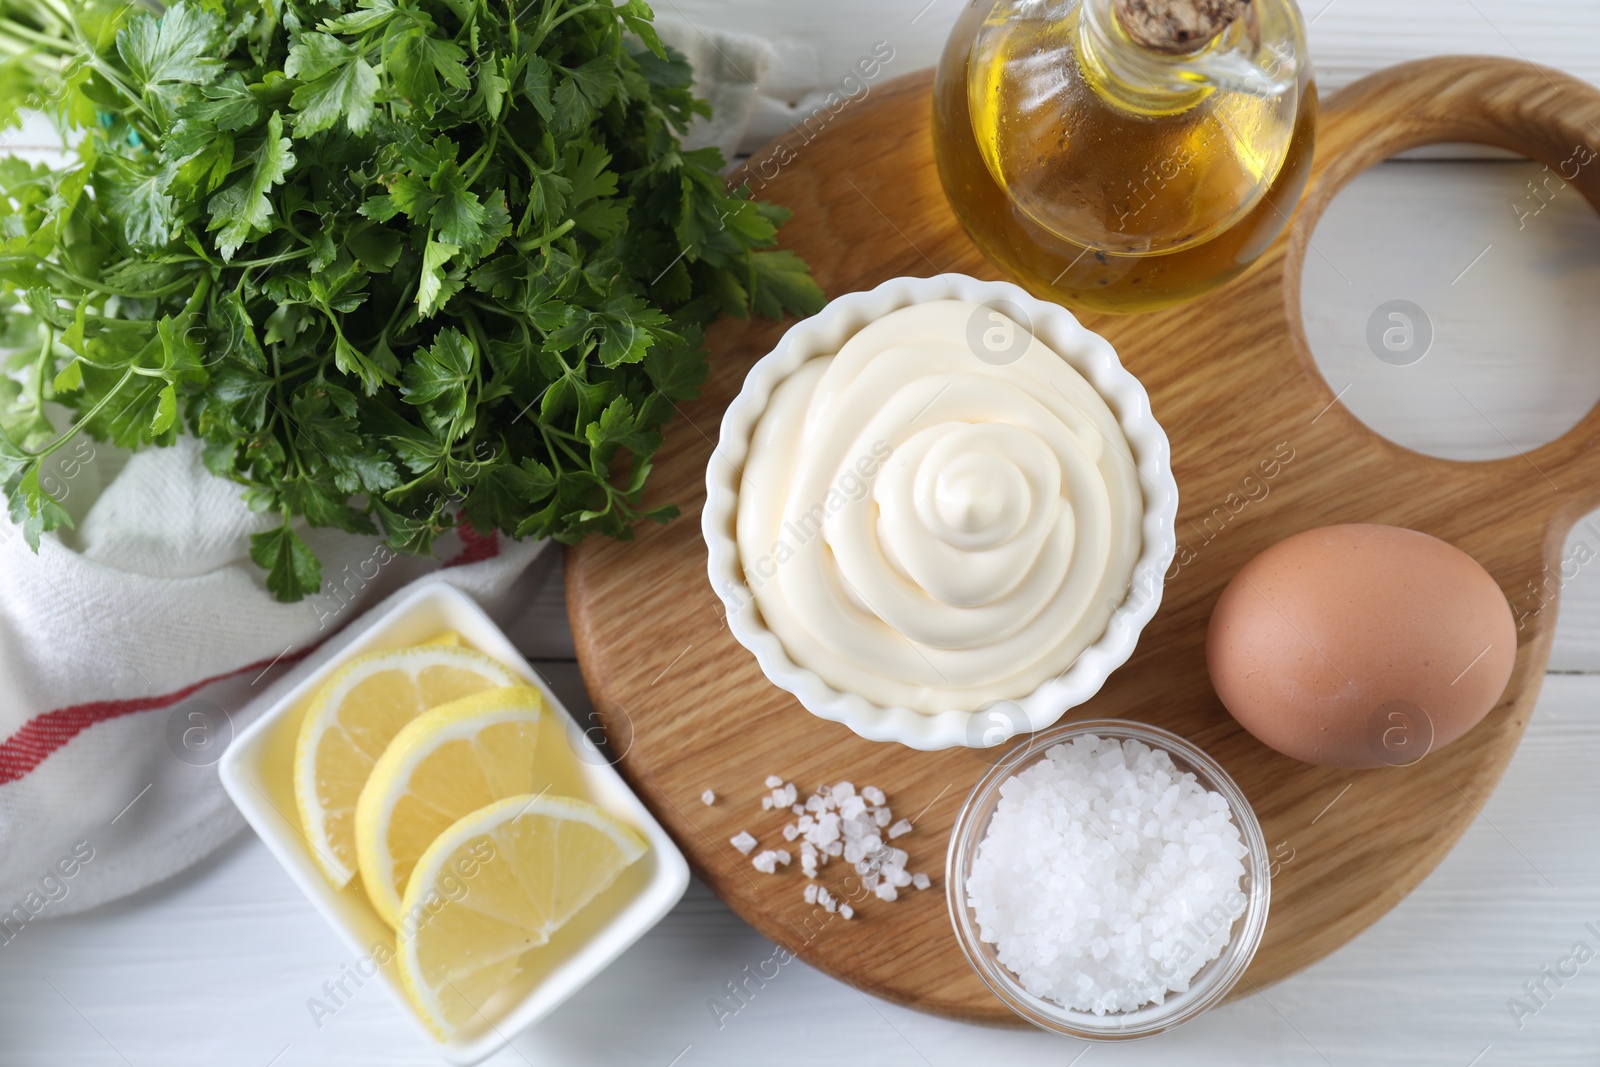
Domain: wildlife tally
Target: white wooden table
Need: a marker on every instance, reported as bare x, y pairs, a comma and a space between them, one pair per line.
216, 966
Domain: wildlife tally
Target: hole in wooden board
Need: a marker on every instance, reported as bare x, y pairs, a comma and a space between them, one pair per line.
1452, 304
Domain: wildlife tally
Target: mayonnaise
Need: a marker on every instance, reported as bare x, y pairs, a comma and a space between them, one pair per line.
931, 522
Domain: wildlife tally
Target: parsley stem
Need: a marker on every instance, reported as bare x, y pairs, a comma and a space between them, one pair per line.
87, 362
44, 40
399, 305
265, 261
62, 14
559, 432
486, 151
46, 350
110, 290
22, 53
535, 243
496, 309
533, 168
546, 29
102, 68
105, 70
78, 423
197, 299
550, 450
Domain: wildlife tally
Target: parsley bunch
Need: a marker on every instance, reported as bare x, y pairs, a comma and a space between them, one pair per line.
398, 263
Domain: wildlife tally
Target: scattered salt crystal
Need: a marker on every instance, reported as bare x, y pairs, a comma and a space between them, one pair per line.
921, 881
846, 911
708, 798
1098, 928
836, 821
743, 841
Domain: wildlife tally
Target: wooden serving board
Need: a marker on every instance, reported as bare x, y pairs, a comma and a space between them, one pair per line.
1233, 382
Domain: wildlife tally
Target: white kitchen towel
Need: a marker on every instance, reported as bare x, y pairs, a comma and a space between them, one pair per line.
134, 648
730, 70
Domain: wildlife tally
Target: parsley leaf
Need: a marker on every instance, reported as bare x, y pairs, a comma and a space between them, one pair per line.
292, 569
174, 48
242, 208
336, 82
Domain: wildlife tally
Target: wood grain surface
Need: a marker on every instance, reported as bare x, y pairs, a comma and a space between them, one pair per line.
1233, 382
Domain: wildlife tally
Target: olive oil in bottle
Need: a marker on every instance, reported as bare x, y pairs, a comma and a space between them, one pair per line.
1123, 155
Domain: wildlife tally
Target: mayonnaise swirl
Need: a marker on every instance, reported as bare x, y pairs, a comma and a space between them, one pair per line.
932, 528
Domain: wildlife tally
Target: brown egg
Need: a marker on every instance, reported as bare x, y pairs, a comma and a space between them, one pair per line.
1361, 645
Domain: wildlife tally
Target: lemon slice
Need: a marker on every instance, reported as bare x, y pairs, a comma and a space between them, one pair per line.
351, 721
494, 885
444, 764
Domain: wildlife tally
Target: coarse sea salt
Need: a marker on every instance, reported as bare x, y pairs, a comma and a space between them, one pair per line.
1107, 878
836, 821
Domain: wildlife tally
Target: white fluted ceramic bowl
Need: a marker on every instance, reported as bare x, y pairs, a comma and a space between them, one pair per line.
1093, 357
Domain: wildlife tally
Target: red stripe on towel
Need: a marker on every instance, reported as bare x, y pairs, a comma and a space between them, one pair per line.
475, 547
43, 734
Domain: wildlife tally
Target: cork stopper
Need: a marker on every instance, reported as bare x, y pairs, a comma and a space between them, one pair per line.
1176, 26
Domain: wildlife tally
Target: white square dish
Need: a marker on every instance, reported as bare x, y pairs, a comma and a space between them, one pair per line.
256, 771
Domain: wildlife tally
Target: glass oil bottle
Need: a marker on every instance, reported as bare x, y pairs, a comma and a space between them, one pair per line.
1124, 155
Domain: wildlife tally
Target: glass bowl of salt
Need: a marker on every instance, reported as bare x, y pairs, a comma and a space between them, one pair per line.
1108, 880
